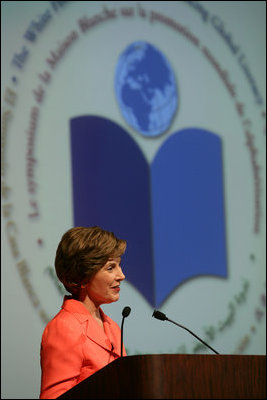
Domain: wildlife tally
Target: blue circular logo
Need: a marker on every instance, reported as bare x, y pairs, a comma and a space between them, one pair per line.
145, 87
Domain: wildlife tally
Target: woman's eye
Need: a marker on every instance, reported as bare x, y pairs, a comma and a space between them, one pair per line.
112, 266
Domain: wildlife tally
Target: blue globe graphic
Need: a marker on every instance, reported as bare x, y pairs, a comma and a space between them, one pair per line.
145, 88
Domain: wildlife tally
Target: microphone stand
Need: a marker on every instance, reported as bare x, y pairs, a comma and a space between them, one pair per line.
125, 312
161, 316
188, 330
122, 334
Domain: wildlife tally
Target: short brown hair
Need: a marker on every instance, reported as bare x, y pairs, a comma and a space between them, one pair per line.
82, 252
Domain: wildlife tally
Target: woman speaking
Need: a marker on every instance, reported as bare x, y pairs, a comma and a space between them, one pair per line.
81, 338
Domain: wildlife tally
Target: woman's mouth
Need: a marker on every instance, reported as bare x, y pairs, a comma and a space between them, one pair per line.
116, 288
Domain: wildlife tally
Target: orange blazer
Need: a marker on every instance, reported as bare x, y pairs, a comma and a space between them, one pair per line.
74, 347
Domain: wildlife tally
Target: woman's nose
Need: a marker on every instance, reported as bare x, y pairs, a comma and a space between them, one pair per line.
121, 275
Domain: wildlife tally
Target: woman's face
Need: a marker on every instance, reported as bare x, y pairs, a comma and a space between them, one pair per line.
104, 287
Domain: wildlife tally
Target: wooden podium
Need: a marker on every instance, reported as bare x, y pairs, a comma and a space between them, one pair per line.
172, 376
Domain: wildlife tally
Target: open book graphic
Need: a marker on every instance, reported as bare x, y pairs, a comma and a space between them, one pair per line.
171, 212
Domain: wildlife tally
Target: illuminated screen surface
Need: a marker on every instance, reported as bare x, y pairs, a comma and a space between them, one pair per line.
148, 119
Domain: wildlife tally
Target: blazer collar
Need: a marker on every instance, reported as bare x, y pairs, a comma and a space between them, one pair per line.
103, 338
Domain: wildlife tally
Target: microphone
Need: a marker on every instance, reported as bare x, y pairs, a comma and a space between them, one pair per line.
125, 312
161, 316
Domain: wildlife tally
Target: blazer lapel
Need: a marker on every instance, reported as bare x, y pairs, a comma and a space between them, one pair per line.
94, 332
97, 334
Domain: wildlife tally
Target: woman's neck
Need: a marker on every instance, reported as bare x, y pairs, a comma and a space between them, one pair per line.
93, 309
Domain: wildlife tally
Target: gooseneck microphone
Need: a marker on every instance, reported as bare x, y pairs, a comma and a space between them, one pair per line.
159, 315
125, 312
